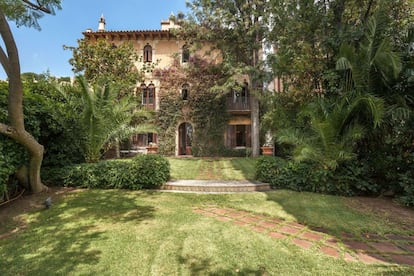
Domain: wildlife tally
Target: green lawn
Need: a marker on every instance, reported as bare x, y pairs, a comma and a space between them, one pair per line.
116, 232
213, 168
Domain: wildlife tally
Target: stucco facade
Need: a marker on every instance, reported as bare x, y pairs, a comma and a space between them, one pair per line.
160, 46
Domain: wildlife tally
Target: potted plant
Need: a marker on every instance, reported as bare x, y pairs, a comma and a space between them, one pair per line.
152, 148
267, 148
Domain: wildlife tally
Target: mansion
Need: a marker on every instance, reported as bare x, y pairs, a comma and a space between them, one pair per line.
164, 48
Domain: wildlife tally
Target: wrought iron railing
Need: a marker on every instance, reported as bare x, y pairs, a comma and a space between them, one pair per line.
238, 104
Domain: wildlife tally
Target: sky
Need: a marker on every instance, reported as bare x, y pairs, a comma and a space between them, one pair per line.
42, 51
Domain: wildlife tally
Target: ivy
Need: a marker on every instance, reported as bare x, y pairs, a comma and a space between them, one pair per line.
205, 107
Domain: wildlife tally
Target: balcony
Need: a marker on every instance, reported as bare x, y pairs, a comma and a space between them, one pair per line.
238, 105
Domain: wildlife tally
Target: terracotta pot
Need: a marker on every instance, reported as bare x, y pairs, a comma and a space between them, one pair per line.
152, 150
267, 151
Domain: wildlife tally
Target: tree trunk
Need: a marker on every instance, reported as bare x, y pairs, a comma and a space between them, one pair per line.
255, 126
16, 130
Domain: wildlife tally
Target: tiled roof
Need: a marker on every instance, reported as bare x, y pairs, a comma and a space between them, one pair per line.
135, 34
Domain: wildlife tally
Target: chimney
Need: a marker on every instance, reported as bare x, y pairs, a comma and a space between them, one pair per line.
101, 27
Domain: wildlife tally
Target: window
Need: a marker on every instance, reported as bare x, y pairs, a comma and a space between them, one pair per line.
143, 140
238, 136
186, 53
147, 53
151, 93
185, 92
144, 91
148, 94
241, 135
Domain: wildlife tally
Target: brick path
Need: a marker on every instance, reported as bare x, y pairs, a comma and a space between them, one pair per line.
369, 248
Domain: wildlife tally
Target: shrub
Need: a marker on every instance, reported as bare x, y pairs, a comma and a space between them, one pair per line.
268, 169
348, 180
143, 171
150, 170
406, 180
407, 183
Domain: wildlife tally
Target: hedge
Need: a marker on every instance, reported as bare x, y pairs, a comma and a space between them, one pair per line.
347, 180
143, 171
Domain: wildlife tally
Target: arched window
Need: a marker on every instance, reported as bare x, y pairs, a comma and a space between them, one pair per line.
185, 91
144, 92
147, 53
151, 93
186, 53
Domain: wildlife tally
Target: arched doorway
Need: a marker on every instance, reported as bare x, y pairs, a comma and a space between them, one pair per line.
185, 138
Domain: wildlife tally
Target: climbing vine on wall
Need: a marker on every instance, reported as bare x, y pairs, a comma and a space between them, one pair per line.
203, 106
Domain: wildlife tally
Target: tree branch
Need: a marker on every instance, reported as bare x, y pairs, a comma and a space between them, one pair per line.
4, 60
7, 130
367, 12
37, 6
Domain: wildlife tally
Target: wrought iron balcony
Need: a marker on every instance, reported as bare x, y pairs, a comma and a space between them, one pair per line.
238, 103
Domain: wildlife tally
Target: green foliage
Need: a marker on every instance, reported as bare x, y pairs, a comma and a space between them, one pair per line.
373, 64
143, 171
12, 155
349, 179
205, 107
309, 35
27, 13
58, 128
102, 62
104, 118
327, 132
406, 179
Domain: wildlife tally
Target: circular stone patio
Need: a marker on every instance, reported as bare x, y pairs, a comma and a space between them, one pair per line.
215, 186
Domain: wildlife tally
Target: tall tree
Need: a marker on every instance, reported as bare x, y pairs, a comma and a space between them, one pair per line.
102, 62
24, 12
238, 27
308, 35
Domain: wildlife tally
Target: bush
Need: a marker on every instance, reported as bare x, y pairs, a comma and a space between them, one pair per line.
348, 179
407, 183
143, 171
150, 170
268, 169
406, 180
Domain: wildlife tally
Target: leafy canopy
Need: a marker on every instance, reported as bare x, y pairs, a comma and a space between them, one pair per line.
26, 12
102, 62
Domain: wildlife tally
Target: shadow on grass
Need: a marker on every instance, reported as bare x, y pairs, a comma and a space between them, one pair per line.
357, 232
199, 266
68, 235
110, 206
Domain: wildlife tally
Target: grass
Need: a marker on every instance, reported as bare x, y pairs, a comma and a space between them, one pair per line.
116, 232
213, 168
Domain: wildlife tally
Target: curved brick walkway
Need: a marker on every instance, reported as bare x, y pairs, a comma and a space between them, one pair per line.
369, 249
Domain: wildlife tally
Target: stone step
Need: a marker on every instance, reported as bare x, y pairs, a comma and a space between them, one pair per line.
215, 186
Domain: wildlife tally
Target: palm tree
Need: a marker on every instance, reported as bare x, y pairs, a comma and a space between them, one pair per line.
333, 128
105, 118
372, 65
